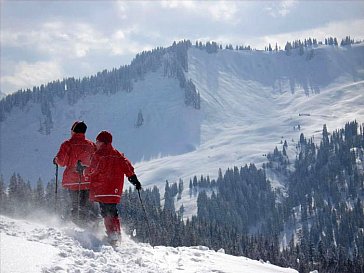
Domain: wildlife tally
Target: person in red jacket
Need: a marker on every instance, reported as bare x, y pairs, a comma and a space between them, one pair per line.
106, 173
74, 153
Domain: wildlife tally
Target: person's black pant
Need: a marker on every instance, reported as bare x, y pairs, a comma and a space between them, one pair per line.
87, 211
108, 210
111, 220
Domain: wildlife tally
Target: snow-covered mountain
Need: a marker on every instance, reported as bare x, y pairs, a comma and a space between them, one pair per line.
250, 102
31, 247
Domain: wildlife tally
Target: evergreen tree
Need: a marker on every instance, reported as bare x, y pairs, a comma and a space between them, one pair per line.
3, 196
13, 192
39, 195
288, 48
140, 119
180, 189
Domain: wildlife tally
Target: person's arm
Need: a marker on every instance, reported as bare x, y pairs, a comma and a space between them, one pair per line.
62, 156
127, 167
129, 172
93, 168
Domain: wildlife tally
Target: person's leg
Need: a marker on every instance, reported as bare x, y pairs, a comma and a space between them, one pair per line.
111, 220
105, 215
115, 218
80, 207
94, 211
74, 206
84, 207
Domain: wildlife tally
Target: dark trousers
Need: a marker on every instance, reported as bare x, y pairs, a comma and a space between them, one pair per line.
108, 210
111, 218
88, 212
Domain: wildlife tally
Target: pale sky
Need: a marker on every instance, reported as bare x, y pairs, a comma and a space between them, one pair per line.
42, 41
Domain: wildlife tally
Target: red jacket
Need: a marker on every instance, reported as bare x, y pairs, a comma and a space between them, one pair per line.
74, 149
106, 173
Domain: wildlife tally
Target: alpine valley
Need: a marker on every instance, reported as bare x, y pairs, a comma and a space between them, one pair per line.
259, 152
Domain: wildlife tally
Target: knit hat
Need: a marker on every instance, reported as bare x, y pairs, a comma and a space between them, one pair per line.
79, 127
104, 136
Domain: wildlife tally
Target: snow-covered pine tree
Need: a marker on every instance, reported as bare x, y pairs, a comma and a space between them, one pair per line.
140, 119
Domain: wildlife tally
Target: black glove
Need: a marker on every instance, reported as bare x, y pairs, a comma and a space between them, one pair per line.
79, 167
134, 180
54, 161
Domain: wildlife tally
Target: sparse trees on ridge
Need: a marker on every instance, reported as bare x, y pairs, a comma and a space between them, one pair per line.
173, 60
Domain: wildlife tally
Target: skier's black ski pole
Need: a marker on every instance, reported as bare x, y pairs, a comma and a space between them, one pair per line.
79, 168
56, 190
146, 218
78, 198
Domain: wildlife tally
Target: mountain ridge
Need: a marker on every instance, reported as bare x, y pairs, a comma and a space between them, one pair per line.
247, 105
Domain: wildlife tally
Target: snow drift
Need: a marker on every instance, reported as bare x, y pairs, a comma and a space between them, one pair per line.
30, 247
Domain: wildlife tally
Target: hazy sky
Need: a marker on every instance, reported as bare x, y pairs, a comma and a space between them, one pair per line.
43, 40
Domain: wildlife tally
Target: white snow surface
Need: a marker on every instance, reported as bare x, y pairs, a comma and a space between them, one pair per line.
30, 247
247, 108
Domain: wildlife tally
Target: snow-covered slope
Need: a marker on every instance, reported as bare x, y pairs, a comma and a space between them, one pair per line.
29, 247
248, 106
250, 101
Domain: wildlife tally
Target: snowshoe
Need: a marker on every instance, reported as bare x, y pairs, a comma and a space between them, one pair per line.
114, 239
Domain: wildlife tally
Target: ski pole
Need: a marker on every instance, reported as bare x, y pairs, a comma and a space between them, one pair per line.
146, 218
79, 168
56, 190
79, 197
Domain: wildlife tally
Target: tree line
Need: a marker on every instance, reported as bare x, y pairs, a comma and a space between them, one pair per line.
214, 47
